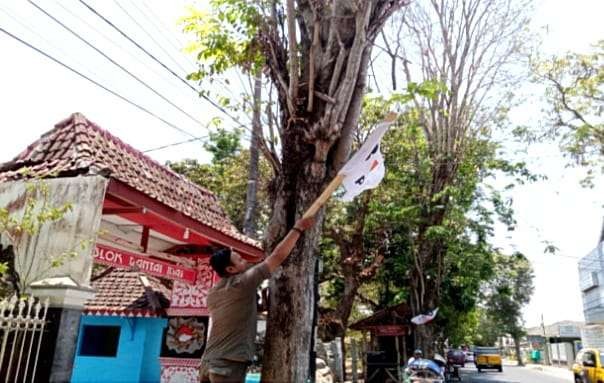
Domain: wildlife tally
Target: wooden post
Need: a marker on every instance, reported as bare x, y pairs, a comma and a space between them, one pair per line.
405, 357
398, 360
337, 348
145, 239
353, 354
335, 362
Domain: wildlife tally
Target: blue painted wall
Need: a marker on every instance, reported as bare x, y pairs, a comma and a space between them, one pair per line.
137, 358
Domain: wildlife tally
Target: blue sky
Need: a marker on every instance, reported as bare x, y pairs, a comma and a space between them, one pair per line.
36, 93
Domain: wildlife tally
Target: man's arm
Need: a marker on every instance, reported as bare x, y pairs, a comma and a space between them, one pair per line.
284, 248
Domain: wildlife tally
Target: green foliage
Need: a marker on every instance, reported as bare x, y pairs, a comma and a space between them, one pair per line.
35, 215
575, 95
37, 212
224, 144
508, 292
404, 204
225, 36
227, 175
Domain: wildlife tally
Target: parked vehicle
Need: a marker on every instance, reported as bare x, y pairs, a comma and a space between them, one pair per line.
488, 357
469, 356
456, 358
588, 366
425, 371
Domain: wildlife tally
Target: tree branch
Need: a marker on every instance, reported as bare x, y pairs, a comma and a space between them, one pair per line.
293, 52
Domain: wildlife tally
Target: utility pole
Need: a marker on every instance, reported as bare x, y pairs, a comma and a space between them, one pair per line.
546, 343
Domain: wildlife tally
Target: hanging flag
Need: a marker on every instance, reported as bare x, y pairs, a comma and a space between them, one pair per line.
365, 169
424, 318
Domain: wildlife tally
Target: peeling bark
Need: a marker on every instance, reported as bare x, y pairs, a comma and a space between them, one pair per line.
315, 141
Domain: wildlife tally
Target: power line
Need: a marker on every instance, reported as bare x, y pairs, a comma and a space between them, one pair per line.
127, 51
202, 138
212, 102
47, 41
66, 66
154, 15
150, 36
139, 80
164, 31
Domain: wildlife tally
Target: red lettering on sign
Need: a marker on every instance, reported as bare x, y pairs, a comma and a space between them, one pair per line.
119, 258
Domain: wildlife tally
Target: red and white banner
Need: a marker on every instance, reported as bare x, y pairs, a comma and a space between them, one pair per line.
119, 258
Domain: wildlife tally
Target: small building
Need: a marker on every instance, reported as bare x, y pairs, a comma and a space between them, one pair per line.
121, 332
130, 213
591, 283
391, 342
560, 343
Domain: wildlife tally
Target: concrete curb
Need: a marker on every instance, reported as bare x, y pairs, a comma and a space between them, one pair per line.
559, 372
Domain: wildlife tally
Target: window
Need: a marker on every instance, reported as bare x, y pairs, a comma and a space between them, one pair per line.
99, 340
590, 358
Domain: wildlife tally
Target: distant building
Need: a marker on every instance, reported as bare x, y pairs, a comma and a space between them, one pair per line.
591, 282
563, 340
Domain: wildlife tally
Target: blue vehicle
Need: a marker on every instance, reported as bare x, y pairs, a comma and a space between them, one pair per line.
425, 371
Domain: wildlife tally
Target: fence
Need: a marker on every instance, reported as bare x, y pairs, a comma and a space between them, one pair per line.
22, 323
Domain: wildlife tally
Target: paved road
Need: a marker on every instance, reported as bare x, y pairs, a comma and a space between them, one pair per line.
510, 374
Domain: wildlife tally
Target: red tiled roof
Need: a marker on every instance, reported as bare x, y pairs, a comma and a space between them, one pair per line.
78, 146
123, 292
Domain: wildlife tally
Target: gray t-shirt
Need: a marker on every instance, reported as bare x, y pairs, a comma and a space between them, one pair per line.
232, 306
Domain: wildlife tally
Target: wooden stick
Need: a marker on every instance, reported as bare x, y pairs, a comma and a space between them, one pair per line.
324, 197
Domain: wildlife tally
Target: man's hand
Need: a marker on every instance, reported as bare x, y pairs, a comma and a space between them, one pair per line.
304, 224
281, 252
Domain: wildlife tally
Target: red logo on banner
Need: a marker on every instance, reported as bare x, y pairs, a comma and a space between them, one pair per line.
119, 258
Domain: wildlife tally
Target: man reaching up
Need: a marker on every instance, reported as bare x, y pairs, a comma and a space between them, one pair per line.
232, 306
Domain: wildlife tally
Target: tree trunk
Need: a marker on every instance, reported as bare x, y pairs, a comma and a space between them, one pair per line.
518, 351
249, 219
292, 286
333, 50
290, 316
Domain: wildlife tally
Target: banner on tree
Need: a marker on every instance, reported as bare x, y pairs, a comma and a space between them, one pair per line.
365, 169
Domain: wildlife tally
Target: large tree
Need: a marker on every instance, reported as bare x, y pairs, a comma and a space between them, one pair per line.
575, 94
472, 47
508, 293
316, 54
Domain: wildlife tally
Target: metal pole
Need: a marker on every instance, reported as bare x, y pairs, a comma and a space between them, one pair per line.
45, 311
353, 351
26, 322
545, 343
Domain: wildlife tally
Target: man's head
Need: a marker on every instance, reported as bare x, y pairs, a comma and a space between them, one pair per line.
226, 262
417, 353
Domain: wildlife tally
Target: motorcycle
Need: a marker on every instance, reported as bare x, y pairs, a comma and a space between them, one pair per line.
425, 371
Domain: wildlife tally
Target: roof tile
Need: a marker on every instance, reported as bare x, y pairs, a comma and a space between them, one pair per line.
123, 291
77, 145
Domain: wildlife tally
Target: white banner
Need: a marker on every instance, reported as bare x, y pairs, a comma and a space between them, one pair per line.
365, 169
